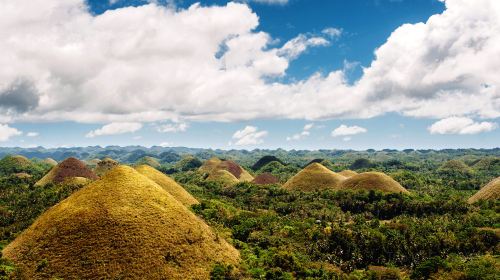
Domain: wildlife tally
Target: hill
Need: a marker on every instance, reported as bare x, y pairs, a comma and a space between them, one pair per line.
123, 226
373, 181
265, 179
151, 161
15, 164
50, 161
455, 166
264, 161
213, 167
223, 176
104, 166
168, 184
489, 192
348, 173
69, 168
314, 177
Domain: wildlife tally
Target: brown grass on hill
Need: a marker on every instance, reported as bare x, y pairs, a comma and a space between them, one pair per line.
123, 226
265, 179
104, 166
151, 161
373, 181
167, 184
348, 173
70, 167
223, 176
214, 165
50, 161
313, 178
209, 165
489, 192
455, 165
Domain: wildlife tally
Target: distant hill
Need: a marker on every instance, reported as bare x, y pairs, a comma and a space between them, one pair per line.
265, 179
313, 178
264, 161
67, 169
373, 181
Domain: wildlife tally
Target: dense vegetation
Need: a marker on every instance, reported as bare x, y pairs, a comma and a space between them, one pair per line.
282, 234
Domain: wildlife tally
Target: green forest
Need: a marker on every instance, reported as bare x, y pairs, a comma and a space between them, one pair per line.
430, 232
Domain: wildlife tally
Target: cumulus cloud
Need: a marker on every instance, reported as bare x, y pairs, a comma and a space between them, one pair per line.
269, 2
32, 134
345, 130
305, 132
250, 135
176, 127
115, 128
460, 125
214, 64
6, 132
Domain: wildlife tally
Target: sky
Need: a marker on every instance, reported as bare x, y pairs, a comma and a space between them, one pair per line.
292, 74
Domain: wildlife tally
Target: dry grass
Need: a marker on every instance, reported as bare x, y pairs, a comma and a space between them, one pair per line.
151, 161
489, 192
213, 167
348, 173
456, 166
314, 177
209, 165
70, 167
50, 161
265, 179
373, 181
104, 166
223, 176
123, 226
167, 184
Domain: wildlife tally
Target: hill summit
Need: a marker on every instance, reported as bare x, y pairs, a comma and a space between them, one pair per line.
67, 169
168, 184
123, 226
219, 169
314, 177
489, 192
373, 181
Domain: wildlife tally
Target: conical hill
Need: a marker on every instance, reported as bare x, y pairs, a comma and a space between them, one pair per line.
104, 166
314, 177
123, 226
373, 181
69, 168
489, 192
348, 173
265, 179
167, 184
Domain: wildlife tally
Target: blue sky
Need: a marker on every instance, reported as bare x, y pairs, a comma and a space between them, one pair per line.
363, 26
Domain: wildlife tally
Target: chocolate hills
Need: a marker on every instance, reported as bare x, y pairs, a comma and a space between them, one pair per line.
123, 226
104, 166
264, 161
167, 184
215, 166
265, 179
313, 178
147, 160
15, 164
373, 181
455, 166
489, 192
50, 161
348, 173
67, 169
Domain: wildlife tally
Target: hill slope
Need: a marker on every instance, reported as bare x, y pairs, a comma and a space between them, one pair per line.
123, 226
167, 184
489, 192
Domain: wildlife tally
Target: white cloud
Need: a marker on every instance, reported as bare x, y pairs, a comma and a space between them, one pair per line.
250, 135
295, 47
332, 32
115, 128
32, 134
58, 60
6, 132
176, 127
305, 132
460, 125
165, 144
345, 130
269, 2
